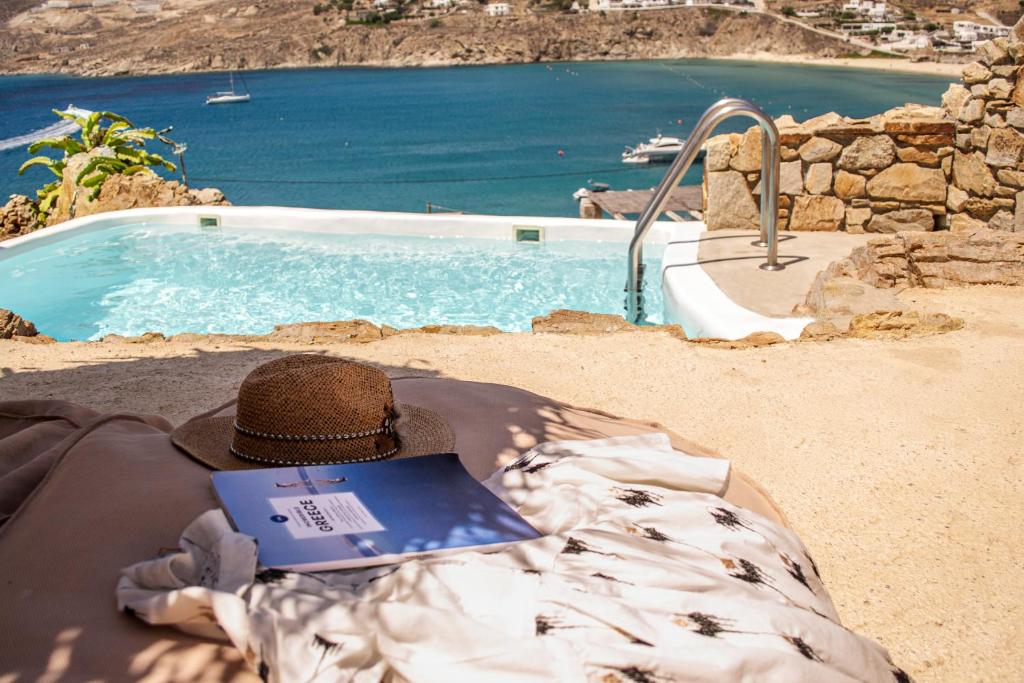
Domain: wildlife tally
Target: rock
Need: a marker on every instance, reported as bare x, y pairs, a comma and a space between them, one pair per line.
458, 330
120, 192
819, 149
955, 198
975, 72
752, 340
837, 297
824, 121
817, 213
970, 173
999, 88
748, 152
820, 330
13, 325
897, 221
1008, 177
916, 155
338, 331
849, 185
961, 222
1017, 96
18, 217
144, 338
210, 196
856, 219
877, 151
1003, 220
72, 195
1005, 146
719, 152
972, 111
730, 204
564, 321
979, 136
790, 178
1015, 117
909, 182
1018, 213
819, 178
901, 324
981, 208
993, 52
954, 98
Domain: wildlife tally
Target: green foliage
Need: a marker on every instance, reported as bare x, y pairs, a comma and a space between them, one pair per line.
99, 129
435, 23
788, 12
935, 27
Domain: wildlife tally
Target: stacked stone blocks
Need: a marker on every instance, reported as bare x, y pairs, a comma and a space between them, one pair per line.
882, 174
988, 167
959, 166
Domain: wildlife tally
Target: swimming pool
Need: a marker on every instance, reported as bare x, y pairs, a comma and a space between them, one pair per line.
171, 277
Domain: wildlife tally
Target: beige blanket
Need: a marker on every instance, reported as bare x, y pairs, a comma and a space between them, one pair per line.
84, 495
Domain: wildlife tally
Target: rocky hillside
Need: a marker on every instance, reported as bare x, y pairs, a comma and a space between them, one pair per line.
203, 35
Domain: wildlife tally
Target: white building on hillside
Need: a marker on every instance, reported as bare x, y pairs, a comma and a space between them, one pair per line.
499, 9
970, 32
875, 11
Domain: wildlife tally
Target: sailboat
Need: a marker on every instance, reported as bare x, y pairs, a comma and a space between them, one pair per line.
230, 96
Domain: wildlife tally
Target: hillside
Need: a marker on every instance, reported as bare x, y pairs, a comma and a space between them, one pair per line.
199, 35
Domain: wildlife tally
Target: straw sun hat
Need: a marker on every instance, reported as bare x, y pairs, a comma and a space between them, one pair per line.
313, 410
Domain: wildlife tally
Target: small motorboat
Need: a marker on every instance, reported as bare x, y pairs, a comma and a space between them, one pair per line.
230, 96
659, 150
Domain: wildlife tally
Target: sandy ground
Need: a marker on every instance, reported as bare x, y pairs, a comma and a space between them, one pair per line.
874, 63
900, 463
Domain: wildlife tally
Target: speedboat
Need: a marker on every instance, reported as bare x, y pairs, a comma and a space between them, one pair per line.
229, 96
661, 149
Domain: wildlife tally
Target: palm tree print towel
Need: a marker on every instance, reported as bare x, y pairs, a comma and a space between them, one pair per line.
645, 575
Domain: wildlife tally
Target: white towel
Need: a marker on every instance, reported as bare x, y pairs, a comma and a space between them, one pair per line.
645, 575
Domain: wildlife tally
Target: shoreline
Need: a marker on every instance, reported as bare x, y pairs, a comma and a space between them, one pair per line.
950, 70
890, 64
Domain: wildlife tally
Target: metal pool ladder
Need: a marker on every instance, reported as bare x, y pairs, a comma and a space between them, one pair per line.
717, 113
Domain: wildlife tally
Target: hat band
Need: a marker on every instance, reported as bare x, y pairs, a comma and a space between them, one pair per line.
269, 461
385, 429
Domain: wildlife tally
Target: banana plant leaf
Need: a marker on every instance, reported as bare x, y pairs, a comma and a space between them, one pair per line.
42, 161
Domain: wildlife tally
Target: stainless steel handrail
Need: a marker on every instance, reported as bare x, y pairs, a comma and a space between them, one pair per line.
717, 113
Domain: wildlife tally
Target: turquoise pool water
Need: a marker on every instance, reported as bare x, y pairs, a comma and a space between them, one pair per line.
134, 279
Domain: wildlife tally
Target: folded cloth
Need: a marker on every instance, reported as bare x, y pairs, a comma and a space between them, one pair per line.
645, 574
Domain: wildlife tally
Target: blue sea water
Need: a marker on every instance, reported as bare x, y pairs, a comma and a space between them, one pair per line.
476, 139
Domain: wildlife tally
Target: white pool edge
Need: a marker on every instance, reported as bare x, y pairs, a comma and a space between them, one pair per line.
691, 297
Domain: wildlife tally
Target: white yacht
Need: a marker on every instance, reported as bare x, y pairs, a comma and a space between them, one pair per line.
661, 149
229, 96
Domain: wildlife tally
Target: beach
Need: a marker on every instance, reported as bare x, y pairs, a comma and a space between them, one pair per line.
891, 64
898, 462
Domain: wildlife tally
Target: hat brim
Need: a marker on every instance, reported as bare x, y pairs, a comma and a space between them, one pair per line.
207, 438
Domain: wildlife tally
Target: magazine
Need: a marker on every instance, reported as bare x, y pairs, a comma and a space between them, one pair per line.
324, 517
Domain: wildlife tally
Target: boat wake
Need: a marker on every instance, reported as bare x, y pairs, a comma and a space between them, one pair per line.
55, 130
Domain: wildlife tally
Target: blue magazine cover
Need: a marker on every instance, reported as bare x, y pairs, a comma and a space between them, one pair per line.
344, 516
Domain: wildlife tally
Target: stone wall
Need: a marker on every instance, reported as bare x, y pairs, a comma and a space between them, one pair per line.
885, 174
988, 166
959, 166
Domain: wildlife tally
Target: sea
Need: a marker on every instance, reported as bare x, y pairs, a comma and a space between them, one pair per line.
511, 140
